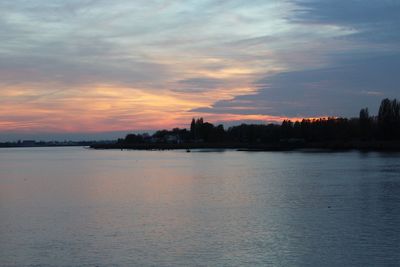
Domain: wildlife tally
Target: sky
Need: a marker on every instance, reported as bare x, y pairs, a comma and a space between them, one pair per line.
98, 66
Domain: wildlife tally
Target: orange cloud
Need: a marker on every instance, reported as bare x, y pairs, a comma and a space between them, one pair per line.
107, 108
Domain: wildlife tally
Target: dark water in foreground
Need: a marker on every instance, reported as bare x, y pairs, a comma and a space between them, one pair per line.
79, 207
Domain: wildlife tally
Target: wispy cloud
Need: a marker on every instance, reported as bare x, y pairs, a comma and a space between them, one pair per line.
352, 65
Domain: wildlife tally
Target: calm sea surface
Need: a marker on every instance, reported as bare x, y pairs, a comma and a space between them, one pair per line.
81, 207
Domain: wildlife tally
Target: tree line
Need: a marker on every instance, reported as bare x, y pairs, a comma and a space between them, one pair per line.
384, 126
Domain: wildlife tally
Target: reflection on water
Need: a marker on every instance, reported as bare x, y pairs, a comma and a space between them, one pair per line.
74, 206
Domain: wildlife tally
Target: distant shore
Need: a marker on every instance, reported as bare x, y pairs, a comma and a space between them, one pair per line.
30, 146
32, 143
393, 146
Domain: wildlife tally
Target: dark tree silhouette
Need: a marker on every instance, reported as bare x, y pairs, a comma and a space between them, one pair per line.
133, 138
389, 118
365, 122
386, 126
193, 129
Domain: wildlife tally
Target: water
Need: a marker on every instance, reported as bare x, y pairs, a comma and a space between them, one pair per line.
81, 207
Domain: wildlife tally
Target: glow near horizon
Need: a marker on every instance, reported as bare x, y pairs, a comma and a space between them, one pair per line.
90, 66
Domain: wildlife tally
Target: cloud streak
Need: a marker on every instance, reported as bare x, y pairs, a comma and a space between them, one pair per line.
332, 75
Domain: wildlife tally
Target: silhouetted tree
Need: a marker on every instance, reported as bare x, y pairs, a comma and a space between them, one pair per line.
385, 126
193, 129
286, 129
389, 118
133, 138
364, 114
365, 122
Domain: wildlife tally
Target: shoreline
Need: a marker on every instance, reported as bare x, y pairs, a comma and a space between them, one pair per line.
389, 146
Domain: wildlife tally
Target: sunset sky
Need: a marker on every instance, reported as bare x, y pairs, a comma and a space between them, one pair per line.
81, 66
